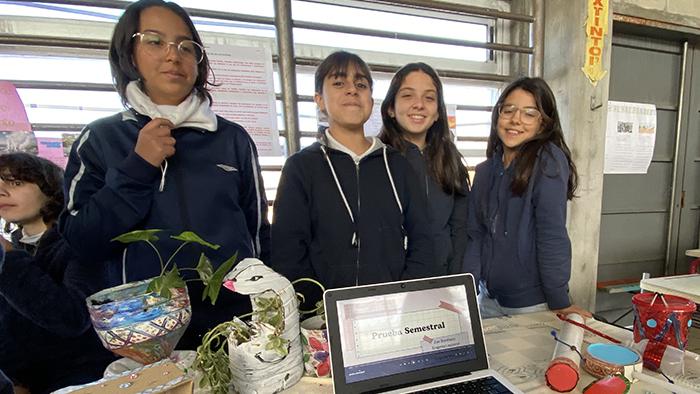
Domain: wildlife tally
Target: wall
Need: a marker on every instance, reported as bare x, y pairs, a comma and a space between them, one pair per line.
582, 123
676, 12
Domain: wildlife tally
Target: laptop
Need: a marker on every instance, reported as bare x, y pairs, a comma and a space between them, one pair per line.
409, 336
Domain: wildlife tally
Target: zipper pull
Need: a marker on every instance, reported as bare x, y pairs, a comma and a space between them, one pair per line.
353, 242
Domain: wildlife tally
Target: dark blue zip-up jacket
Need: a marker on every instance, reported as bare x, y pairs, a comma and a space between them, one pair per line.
212, 186
46, 338
447, 214
312, 231
518, 246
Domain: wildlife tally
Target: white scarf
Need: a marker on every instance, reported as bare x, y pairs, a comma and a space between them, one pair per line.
192, 112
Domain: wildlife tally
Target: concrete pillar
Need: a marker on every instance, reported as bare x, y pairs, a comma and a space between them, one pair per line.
583, 111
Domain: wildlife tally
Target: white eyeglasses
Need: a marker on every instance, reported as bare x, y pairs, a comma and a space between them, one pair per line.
527, 115
156, 46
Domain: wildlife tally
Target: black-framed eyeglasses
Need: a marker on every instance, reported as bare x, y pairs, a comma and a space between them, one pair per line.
527, 115
155, 45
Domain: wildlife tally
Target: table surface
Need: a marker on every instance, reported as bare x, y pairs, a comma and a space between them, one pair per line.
687, 286
521, 347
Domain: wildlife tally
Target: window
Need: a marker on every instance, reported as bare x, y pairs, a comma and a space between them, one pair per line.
366, 28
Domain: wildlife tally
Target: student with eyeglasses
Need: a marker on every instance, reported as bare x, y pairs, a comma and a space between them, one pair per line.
519, 249
167, 162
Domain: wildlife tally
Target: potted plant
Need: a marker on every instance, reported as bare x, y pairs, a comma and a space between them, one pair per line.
144, 320
314, 340
264, 354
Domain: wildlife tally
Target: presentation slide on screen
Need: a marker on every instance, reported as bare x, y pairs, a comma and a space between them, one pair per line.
420, 328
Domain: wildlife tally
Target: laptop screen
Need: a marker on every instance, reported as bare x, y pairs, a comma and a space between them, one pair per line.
404, 333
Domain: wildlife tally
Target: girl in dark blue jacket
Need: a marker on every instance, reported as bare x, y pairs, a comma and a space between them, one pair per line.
168, 162
46, 339
415, 123
347, 211
519, 249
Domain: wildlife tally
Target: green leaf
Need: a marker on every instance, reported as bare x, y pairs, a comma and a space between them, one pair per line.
164, 283
137, 235
204, 269
189, 236
217, 279
278, 344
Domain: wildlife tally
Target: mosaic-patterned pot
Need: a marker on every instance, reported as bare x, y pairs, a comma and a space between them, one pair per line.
144, 327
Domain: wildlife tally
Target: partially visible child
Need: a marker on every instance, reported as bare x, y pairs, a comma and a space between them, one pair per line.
46, 337
347, 211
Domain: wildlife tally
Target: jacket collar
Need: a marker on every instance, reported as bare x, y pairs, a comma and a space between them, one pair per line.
327, 140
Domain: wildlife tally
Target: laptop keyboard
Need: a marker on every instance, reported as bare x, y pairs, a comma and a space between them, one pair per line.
485, 385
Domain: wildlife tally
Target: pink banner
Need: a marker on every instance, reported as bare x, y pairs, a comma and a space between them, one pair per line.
13, 117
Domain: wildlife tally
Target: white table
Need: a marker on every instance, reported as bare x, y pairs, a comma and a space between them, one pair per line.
687, 286
521, 347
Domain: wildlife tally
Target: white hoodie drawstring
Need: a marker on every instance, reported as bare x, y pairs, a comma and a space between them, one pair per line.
396, 196
353, 241
163, 170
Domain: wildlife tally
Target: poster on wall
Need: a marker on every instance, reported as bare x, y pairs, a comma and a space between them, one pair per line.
373, 125
452, 120
596, 29
15, 130
52, 148
246, 93
630, 137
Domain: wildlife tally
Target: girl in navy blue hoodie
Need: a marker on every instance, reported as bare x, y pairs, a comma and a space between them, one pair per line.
347, 211
519, 250
167, 162
415, 123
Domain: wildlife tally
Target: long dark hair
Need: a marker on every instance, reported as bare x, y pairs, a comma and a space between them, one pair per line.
121, 48
19, 166
551, 132
443, 158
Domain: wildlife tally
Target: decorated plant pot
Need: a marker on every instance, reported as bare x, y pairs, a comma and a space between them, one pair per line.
662, 318
314, 338
132, 323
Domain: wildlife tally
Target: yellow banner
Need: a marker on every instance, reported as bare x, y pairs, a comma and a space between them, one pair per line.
596, 30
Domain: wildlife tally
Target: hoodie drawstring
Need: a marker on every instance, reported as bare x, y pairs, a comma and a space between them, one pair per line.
163, 170
396, 196
353, 241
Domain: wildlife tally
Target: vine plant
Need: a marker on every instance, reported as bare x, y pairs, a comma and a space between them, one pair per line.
167, 280
212, 355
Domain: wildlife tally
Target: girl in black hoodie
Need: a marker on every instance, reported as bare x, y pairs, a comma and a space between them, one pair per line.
46, 338
347, 210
